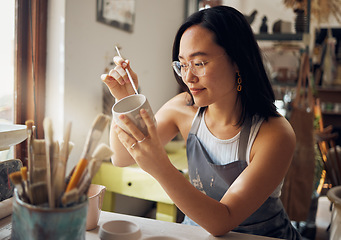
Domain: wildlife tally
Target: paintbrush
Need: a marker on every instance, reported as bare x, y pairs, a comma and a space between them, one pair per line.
67, 179
92, 140
101, 153
16, 179
85, 183
30, 137
70, 197
48, 132
23, 172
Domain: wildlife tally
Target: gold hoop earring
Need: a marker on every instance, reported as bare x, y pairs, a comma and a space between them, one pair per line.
239, 81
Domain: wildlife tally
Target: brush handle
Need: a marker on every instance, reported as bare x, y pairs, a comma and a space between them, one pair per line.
77, 174
59, 175
127, 71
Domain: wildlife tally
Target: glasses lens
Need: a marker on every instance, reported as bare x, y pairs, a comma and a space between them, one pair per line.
177, 68
198, 68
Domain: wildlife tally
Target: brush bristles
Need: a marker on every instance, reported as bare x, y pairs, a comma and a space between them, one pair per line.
29, 124
102, 152
16, 178
23, 171
101, 121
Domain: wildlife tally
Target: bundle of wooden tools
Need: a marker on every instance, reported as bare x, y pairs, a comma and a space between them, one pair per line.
44, 180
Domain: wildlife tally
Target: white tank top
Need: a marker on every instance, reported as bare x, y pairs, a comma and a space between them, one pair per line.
224, 151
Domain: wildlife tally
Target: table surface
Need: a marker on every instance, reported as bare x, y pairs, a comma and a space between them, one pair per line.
149, 228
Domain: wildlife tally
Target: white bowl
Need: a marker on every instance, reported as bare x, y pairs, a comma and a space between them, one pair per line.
119, 230
11, 135
161, 238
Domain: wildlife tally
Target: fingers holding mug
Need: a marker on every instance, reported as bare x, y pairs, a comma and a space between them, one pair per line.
133, 130
149, 121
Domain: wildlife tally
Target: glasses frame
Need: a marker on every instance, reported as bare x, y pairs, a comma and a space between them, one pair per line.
189, 65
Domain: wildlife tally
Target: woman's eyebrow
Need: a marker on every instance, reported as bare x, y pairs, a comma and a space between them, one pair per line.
194, 55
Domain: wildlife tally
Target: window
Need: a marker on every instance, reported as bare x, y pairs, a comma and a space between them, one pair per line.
7, 68
23, 66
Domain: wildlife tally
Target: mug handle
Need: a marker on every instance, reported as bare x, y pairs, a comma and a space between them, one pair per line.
100, 198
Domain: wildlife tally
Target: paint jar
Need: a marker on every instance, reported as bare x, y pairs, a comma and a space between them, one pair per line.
30, 222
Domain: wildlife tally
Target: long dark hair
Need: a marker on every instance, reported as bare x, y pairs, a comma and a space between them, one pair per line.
234, 34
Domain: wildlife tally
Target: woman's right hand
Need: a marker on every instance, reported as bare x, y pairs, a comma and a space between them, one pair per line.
118, 81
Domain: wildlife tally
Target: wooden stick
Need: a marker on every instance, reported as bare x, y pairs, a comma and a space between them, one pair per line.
48, 132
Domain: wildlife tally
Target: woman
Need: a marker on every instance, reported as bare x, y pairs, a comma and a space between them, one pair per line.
238, 147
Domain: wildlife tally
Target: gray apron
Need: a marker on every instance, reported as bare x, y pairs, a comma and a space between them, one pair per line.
214, 180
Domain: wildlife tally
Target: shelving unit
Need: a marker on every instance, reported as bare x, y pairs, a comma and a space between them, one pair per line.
280, 37
287, 36
330, 95
303, 37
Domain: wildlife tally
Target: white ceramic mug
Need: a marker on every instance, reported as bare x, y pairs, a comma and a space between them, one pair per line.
131, 106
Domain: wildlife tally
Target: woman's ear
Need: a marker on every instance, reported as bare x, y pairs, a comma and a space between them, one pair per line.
236, 68
234, 64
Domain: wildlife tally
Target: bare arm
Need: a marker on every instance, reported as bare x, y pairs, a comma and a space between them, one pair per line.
167, 117
119, 85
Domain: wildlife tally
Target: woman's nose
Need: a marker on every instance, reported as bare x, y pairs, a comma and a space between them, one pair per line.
190, 77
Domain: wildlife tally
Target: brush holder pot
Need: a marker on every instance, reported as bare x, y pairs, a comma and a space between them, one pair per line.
30, 222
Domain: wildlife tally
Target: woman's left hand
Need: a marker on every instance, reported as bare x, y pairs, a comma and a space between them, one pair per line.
147, 151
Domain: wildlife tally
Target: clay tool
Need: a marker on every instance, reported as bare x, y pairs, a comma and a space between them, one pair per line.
30, 137
38, 193
38, 170
92, 140
128, 73
60, 169
48, 132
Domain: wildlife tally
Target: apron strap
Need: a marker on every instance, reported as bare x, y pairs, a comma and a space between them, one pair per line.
196, 123
244, 139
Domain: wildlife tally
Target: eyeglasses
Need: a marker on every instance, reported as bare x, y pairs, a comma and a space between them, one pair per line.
197, 67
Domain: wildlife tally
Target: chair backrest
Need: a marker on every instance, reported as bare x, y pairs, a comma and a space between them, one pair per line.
6, 168
331, 155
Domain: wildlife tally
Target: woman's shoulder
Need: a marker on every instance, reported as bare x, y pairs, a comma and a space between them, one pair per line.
180, 105
279, 129
275, 140
177, 113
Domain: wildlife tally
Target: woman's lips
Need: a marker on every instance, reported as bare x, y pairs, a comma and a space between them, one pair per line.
196, 91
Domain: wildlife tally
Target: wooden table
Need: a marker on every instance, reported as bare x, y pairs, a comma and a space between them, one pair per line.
149, 228
134, 182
